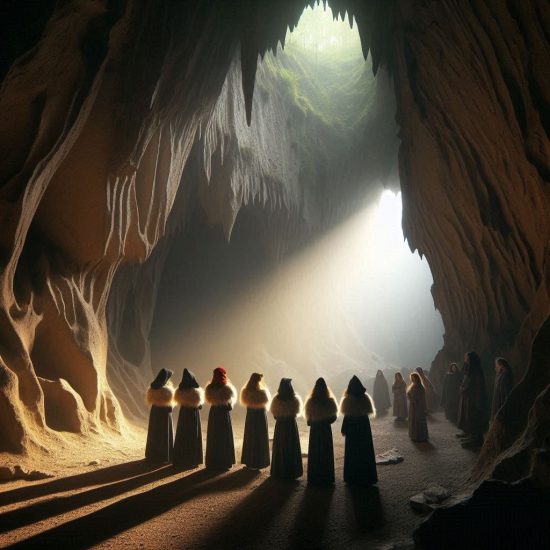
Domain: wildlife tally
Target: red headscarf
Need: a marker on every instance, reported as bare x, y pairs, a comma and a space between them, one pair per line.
220, 376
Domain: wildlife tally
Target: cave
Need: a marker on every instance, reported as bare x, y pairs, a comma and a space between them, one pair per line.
195, 183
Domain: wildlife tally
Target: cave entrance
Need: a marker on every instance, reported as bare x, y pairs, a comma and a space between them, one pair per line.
328, 288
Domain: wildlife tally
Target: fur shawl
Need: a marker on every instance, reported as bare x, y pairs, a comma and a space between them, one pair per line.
192, 398
161, 397
220, 394
255, 399
317, 410
286, 407
354, 405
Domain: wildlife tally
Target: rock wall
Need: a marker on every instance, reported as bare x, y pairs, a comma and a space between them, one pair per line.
98, 121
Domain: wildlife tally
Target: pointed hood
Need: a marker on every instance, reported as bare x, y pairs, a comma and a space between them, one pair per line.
286, 391
355, 387
188, 380
220, 376
162, 378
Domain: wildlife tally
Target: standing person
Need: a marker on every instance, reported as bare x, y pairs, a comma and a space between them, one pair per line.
321, 410
188, 444
451, 392
431, 396
399, 390
286, 462
359, 459
416, 394
221, 395
255, 397
504, 382
160, 435
472, 409
381, 392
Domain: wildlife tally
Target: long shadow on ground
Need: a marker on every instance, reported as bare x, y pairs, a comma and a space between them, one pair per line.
124, 514
61, 505
96, 477
252, 516
366, 508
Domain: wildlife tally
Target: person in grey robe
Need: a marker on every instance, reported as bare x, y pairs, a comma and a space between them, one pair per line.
451, 392
416, 394
399, 390
381, 392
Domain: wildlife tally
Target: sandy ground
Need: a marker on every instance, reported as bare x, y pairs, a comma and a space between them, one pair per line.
134, 505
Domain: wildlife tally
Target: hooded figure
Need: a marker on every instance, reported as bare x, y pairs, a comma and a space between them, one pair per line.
221, 395
472, 408
321, 410
451, 392
381, 392
399, 390
416, 394
429, 390
286, 460
160, 434
504, 382
255, 397
359, 459
188, 444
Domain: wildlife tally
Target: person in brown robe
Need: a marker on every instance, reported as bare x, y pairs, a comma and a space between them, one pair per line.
359, 458
504, 382
399, 390
416, 394
255, 397
381, 392
451, 392
160, 435
472, 408
321, 410
431, 396
221, 395
286, 461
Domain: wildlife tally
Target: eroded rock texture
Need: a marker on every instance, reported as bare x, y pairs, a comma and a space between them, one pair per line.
100, 118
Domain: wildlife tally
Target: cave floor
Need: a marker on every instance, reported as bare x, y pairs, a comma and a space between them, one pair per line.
134, 505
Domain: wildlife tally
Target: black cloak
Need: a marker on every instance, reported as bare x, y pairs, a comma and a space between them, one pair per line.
321, 411
188, 443
160, 435
472, 410
451, 394
359, 458
286, 462
255, 452
220, 447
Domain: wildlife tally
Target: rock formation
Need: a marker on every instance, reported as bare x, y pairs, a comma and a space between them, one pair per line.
106, 111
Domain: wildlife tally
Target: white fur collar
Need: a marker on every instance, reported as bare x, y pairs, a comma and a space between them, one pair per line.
221, 394
254, 398
317, 410
286, 407
192, 398
353, 405
161, 397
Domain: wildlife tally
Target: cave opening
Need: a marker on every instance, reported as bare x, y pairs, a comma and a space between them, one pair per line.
320, 291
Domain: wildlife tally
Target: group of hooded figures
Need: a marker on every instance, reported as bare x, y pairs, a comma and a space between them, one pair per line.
463, 397
321, 410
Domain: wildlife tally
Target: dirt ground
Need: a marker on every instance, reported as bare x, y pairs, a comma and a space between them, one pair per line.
134, 505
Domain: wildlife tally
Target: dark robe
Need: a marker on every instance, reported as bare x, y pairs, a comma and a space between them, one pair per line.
160, 435
451, 394
359, 459
400, 400
286, 462
220, 448
256, 439
472, 409
320, 461
503, 387
418, 427
188, 443
381, 393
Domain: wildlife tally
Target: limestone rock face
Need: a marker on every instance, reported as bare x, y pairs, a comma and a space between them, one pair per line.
102, 122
